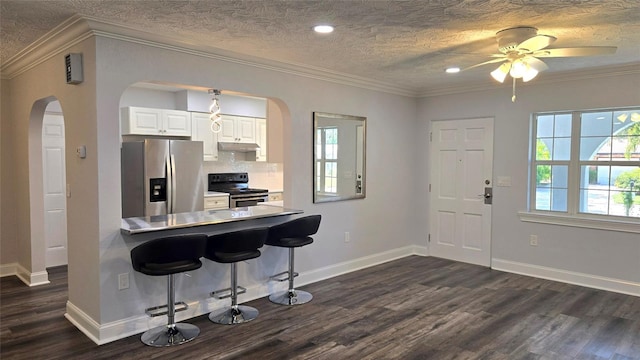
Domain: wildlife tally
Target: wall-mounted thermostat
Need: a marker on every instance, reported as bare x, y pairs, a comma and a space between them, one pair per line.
73, 63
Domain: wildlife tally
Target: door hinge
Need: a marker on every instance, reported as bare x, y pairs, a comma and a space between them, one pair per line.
429, 187
430, 136
429, 238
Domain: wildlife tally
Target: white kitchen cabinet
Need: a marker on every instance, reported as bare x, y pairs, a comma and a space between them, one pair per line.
218, 202
150, 121
201, 131
261, 139
238, 129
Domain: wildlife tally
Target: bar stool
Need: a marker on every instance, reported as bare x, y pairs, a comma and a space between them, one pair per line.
169, 256
292, 234
233, 247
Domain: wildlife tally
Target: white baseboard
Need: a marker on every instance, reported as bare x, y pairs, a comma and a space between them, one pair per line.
8, 269
32, 278
570, 277
105, 333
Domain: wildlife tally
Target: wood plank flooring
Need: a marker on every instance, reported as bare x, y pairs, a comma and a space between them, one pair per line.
411, 308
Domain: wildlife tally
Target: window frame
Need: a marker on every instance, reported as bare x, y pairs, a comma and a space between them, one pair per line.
572, 216
322, 161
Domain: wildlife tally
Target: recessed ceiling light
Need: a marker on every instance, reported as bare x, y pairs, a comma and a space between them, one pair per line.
323, 29
452, 70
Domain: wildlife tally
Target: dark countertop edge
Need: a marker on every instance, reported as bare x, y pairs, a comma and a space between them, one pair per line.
205, 223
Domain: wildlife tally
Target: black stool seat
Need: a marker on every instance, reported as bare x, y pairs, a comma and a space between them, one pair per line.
166, 257
169, 255
290, 242
292, 234
175, 267
231, 248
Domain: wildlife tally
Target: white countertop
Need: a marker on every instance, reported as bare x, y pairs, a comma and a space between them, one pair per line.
136, 225
215, 193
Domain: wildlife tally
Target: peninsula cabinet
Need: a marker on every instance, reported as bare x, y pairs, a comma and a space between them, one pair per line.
149, 121
201, 131
238, 129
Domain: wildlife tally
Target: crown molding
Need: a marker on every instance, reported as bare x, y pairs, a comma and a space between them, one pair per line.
550, 78
80, 27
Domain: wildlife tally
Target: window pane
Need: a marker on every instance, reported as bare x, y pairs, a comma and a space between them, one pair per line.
561, 148
559, 176
595, 148
596, 124
562, 125
543, 174
545, 126
626, 143
594, 201
594, 175
559, 199
543, 149
543, 198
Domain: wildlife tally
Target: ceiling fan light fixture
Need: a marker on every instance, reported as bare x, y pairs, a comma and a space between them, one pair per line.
518, 69
501, 72
529, 74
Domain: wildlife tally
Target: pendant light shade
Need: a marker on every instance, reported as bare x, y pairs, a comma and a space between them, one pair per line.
501, 72
214, 110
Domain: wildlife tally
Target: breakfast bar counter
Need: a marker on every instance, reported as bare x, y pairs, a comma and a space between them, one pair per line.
146, 224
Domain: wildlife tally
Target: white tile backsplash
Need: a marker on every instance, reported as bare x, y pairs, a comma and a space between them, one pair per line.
262, 175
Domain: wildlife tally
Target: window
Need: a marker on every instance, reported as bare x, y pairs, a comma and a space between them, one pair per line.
587, 163
327, 160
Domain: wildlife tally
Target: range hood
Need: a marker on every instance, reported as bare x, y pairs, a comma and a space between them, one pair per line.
239, 147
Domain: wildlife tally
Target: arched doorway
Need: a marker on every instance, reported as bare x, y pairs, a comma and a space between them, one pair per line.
46, 189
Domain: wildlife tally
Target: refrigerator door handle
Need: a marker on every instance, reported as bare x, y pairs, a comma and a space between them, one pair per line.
173, 183
169, 176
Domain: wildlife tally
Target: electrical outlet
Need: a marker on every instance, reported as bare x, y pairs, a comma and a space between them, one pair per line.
533, 240
347, 237
123, 281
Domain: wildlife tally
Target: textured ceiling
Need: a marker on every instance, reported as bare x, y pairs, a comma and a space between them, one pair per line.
405, 43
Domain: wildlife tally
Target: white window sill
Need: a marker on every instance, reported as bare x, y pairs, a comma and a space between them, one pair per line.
583, 222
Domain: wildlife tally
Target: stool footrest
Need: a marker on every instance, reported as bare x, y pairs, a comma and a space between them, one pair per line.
279, 277
226, 293
164, 309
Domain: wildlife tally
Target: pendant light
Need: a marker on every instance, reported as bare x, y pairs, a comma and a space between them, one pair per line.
214, 109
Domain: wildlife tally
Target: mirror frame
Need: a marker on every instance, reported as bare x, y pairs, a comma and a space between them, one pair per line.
318, 116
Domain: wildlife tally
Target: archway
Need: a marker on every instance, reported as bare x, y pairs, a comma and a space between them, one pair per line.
36, 273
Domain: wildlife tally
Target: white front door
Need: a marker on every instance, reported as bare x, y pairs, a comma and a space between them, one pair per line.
461, 169
55, 202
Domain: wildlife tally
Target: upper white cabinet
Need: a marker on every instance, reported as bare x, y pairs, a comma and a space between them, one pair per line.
149, 121
239, 129
201, 131
261, 139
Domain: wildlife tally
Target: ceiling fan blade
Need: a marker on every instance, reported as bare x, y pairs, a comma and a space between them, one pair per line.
536, 43
537, 64
493, 61
576, 51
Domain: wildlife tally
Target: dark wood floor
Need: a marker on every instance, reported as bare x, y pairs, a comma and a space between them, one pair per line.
412, 308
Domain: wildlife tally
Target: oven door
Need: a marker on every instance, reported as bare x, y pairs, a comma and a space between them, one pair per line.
247, 201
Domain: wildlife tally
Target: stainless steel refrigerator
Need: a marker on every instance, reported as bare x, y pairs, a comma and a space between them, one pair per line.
161, 177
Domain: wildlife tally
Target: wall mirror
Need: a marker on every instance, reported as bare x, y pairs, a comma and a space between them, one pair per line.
338, 157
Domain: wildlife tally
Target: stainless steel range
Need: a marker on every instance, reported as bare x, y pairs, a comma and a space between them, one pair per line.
237, 186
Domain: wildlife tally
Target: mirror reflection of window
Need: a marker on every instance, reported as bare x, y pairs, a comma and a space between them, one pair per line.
339, 159
327, 160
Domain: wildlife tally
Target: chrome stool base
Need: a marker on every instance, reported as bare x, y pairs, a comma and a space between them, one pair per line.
164, 335
231, 316
295, 297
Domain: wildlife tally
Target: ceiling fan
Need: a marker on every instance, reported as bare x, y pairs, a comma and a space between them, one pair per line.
520, 47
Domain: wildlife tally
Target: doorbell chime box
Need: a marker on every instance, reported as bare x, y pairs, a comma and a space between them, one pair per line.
73, 63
